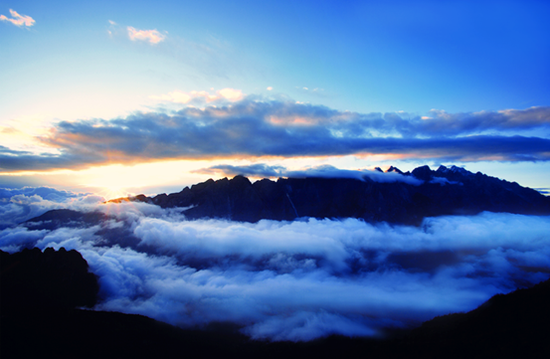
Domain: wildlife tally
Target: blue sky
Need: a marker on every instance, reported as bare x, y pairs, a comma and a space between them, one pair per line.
483, 66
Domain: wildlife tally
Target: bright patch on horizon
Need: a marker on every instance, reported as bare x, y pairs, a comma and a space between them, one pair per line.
115, 181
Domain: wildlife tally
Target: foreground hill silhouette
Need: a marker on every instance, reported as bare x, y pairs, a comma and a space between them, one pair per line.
53, 280
512, 325
394, 197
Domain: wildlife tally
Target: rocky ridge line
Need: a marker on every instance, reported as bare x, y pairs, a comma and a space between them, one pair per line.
446, 191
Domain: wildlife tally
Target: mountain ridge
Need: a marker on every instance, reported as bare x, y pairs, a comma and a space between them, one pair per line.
401, 198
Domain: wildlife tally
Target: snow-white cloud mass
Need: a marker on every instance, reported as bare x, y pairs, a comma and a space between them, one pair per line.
296, 280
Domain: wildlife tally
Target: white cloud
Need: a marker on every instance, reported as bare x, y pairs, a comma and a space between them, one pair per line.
151, 36
327, 171
178, 96
304, 279
231, 94
18, 20
12, 239
19, 205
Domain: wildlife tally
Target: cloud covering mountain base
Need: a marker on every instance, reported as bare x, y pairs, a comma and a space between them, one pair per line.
297, 280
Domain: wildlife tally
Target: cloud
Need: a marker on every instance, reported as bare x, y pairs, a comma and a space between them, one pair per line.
231, 94
254, 128
443, 123
152, 36
312, 91
46, 193
18, 20
299, 280
255, 170
203, 96
19, 205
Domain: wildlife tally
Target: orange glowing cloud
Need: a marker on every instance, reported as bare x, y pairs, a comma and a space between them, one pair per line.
231, 94
293, 120
152, 36
18, 20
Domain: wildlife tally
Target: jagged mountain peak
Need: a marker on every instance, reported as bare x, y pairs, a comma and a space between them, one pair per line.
423, 173
460, 170
454, 169
394, 169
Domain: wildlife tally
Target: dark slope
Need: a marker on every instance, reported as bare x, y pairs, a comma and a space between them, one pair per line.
53, 280
512, 325
442, 192
64, 218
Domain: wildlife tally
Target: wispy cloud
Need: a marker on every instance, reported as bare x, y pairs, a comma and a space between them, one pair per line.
255, 170
252, 128
151, 36
186, 97
18, 19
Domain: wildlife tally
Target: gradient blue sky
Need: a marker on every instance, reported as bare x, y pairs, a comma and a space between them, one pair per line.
319, 64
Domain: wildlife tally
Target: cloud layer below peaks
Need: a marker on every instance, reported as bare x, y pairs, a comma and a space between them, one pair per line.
296, 280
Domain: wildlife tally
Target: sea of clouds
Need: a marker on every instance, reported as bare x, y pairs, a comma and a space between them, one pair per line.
296, 280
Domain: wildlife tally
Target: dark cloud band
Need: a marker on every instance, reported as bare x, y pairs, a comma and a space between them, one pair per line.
257, 129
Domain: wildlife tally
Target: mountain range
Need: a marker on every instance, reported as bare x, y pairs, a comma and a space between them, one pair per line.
393, 197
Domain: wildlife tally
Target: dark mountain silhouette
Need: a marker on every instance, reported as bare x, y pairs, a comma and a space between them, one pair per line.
64, 218
32, 280
512, 325
447, 191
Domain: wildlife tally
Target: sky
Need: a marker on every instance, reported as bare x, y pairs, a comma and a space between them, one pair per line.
117, 98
